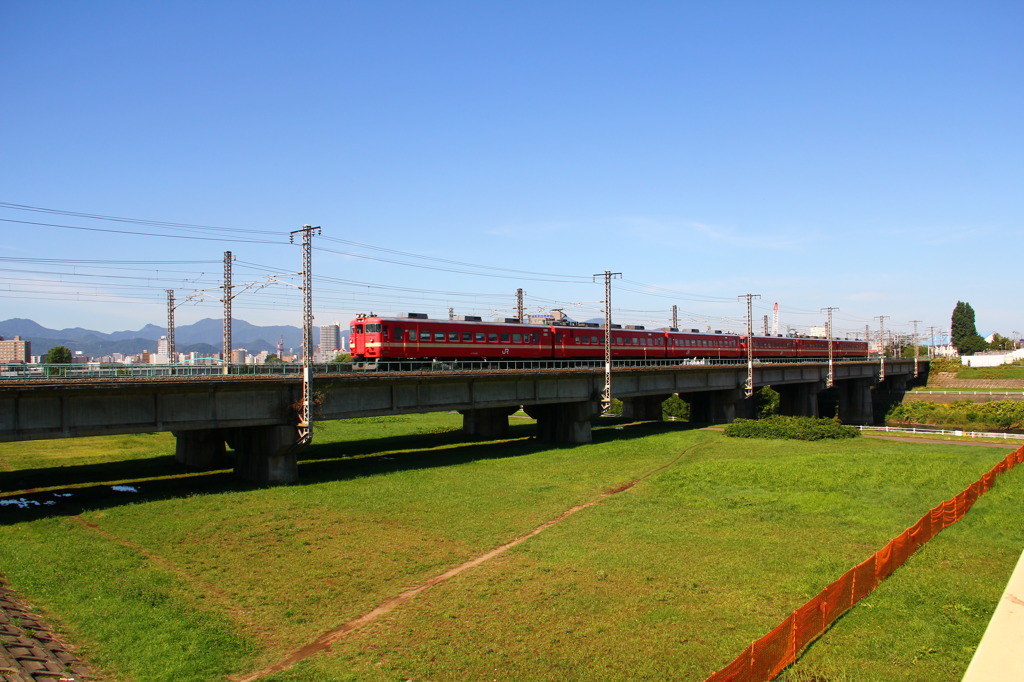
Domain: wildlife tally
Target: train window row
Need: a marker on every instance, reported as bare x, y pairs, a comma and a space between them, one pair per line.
397, 334
705, 343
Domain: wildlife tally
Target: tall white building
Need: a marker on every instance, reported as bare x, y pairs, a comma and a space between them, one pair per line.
161, 357
330, 340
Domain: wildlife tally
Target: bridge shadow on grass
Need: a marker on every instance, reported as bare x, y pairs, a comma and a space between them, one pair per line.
31, 494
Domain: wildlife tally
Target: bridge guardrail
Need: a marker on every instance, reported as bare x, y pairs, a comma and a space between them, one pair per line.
27, 373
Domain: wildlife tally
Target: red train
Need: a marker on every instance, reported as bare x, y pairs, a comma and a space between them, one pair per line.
416, 337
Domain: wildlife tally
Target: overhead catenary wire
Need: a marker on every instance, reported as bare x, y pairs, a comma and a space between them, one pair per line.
331, 291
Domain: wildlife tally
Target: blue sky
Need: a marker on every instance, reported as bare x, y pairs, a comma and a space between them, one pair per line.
861, 155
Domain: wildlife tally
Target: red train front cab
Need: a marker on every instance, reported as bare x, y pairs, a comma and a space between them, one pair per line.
365, 338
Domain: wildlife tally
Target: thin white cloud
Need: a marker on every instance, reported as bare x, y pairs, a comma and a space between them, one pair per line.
681, 231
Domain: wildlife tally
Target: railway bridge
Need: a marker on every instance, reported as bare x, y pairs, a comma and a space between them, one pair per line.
257, 415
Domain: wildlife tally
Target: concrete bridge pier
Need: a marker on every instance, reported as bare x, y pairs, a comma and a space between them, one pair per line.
201, 449
645, 408
719, 407
855, 401
799, 400
564, 422
886, 394
265, 454
491, 422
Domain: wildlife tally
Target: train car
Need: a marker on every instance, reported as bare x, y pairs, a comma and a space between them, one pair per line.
813, 347
695, 344
586, 341
850, 348
772, 346
416, 337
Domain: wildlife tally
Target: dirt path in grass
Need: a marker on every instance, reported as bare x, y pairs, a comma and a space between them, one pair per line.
325, 640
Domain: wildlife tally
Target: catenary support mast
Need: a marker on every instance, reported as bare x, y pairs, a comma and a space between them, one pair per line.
170, 326
881, 346
606, 394
306, 421
748, 385
830, 380
915, 323
226, 349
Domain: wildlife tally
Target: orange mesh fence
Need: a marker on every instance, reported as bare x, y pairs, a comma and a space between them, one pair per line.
737, 671
838, 599
768, 656
864, 579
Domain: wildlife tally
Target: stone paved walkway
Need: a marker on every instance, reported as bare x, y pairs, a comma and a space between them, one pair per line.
29, 651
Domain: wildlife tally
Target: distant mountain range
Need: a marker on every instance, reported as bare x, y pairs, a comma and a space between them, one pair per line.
204, 336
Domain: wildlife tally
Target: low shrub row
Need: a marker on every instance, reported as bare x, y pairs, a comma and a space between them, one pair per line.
995, 415
797, 428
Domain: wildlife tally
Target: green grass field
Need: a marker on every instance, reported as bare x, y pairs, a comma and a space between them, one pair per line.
1014, 371
199, 577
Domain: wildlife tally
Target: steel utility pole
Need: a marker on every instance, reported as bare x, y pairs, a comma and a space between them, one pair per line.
306, 421
915, 346
675, 317
881, 346
748, 386
226, 350
931, 341
519, 304
831, 378
170, 326
606, 394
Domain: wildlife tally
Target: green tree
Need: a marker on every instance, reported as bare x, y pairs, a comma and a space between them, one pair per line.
965, 337
1000, 342
674, 406
272, 359
342, 357
58, 355
766, 402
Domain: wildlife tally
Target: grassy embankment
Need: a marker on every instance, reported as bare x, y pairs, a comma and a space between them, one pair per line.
194, 578
1015, 371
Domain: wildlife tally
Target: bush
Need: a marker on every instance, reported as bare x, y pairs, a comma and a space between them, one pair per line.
795, 428
994, 415
945, 365
766, 401
676, 407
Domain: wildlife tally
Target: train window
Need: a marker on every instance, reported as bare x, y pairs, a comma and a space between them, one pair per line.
373, 328
585, 339
453, 336
504, 338
492, 337
517, 338
467, 336
558, 337
424, 336
438, 336
397, 333
535, 338
593, 340
357, 329
480, 337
